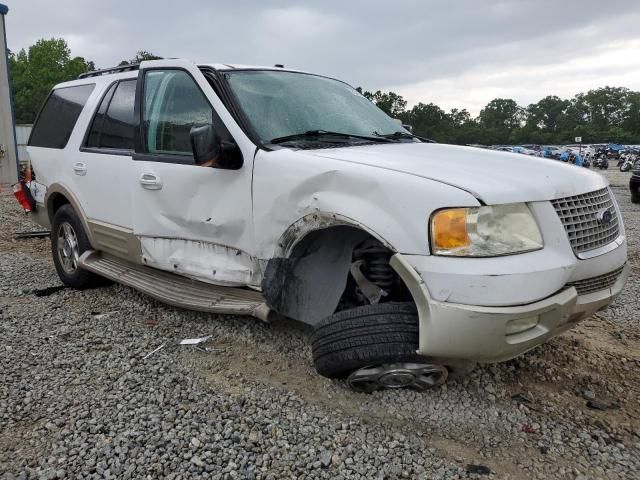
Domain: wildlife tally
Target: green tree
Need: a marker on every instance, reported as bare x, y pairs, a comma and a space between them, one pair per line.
603, 108
499, 118
141, 56
389, 102
631, 122
35, 71
429, 120
546, 114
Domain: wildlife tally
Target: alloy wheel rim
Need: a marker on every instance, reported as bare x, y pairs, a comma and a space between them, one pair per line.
68, 251
417, 376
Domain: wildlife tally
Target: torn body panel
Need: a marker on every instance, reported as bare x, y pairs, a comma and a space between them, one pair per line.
203, 261
198, 224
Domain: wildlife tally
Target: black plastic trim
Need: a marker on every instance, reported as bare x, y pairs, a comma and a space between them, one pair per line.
107, 151
85, 139
108, 71
220, 86
164, 158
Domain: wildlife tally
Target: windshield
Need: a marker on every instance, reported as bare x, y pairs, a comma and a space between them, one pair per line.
279, 104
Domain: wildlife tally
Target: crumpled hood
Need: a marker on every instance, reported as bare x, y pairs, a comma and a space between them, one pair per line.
494, 177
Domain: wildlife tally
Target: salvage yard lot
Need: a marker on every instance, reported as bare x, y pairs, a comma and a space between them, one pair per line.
78, 399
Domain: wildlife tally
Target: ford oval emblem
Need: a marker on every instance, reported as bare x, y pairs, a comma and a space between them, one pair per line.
604, 216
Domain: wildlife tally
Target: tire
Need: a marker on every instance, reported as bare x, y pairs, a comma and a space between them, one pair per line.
68, 270
364, 336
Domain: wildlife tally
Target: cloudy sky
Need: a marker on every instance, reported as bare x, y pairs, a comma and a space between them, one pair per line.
459, 53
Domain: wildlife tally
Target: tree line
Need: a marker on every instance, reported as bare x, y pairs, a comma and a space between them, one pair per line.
607, 114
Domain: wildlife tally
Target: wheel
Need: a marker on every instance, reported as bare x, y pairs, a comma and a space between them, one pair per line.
374, 347
68, 242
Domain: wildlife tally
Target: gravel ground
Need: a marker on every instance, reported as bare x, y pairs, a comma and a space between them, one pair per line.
78, 399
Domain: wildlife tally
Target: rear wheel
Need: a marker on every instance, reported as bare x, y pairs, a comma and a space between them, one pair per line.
374, 347
68, 242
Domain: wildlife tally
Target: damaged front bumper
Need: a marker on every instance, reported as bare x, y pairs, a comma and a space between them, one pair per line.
478, 333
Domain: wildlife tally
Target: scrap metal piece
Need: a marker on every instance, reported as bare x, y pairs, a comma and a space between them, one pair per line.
34, 234
194, 341
154, 351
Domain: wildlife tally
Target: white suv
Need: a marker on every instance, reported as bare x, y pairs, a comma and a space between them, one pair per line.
267, 191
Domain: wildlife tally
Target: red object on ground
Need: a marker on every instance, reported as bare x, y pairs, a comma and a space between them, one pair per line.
21, 196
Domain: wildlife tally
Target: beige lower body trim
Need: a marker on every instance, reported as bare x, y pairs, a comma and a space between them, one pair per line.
117, 241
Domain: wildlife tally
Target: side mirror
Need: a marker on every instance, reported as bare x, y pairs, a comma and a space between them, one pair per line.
205, 143
408, 128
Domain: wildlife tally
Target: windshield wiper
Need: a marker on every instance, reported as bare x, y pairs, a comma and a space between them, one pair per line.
399, 135
317, 134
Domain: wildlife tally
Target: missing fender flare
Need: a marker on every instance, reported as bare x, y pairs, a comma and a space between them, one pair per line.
308, 285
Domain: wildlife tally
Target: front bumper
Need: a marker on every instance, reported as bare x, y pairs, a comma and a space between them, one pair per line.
470, 332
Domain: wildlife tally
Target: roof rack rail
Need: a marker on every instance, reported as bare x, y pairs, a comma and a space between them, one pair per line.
106, 71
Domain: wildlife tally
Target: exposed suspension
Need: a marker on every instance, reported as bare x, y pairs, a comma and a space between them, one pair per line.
376, 263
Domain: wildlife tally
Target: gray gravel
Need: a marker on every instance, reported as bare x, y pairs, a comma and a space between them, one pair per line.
77, 400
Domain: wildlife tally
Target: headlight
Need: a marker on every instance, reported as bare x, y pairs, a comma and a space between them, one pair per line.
484, 231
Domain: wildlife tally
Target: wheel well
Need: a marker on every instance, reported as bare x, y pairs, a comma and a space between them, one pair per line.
315, 279
56, 201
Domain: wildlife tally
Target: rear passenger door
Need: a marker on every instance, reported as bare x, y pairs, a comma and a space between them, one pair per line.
103, 169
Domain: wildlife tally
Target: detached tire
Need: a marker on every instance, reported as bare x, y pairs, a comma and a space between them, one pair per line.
363, 336
68, 242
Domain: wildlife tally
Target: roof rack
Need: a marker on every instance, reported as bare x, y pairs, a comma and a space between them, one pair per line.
106, 71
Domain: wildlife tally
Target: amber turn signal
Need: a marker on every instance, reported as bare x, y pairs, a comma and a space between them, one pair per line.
449, 229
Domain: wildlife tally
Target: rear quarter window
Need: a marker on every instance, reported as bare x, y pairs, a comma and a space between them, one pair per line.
59, 115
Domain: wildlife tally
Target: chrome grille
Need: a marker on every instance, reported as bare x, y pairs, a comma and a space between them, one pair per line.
579, 215
595, 284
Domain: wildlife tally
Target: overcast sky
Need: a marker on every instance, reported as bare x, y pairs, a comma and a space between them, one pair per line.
459, 53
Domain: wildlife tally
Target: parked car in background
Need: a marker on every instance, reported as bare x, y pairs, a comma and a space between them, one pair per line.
524, 150
551, 151
614, 150
265, 191
634, 182
532, 147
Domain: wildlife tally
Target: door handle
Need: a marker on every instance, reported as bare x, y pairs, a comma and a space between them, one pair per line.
150, 181
80, 168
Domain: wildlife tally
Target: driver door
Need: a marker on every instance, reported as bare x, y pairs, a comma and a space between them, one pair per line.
191, 220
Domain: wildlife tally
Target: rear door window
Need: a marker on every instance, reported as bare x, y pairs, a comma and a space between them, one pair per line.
114, 122
59, 115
